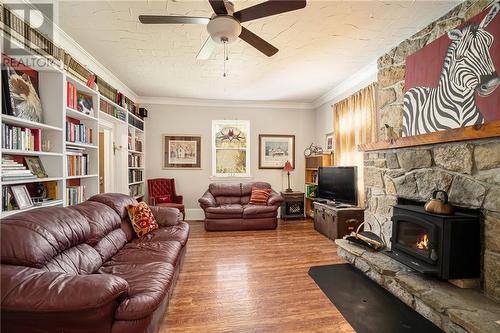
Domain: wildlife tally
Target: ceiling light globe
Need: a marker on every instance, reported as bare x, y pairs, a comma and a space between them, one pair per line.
224, 28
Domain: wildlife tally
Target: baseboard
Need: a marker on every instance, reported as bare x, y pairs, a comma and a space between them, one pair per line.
195, 214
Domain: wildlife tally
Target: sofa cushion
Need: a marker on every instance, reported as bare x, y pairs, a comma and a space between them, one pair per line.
225, 211
246, 188
178, 233
142, 219
146, 291
117, 201
34, 238
259, 211
145, 252
225, 189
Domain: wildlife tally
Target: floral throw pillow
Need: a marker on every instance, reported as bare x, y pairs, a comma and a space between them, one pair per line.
142, 219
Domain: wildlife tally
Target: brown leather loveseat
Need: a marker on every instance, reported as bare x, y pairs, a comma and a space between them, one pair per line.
226, 207
82, 269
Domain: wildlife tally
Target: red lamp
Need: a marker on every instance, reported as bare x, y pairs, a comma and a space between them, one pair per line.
288, 168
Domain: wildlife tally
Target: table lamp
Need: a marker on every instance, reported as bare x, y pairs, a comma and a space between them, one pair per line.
288, 168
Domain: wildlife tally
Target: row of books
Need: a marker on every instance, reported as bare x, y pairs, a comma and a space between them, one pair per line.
136, 123
134, 161
112, 110
71, 96
21, 138
77, 165
7, 202
135, 190
75, 195
135, 144
134, 176
78, 133
14, 171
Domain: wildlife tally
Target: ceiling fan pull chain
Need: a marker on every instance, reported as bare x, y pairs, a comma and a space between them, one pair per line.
225, 57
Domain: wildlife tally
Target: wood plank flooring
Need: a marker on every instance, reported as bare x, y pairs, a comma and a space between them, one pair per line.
254, 281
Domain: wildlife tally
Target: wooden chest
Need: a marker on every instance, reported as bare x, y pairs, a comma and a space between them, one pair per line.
336, 222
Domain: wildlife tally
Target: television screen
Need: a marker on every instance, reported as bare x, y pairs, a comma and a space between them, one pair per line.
338, 183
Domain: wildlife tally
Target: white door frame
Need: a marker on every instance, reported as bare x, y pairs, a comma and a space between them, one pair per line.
109, 179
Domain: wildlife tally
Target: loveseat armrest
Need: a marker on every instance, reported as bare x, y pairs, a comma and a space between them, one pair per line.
275, 199
207, 200
30, 290
166, 216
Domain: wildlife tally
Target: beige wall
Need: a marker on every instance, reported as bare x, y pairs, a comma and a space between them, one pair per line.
171, 119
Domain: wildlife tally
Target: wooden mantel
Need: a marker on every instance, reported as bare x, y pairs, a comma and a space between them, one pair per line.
488, 130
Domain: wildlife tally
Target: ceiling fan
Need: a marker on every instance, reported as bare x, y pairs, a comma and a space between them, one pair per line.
225, 27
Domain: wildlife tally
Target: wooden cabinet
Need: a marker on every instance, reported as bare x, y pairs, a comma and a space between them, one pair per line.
335, 222
311, 178
293, 205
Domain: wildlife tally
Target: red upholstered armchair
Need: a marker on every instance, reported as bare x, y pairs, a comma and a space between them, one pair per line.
162, 193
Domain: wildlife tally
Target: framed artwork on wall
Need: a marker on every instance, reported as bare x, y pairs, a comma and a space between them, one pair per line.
231, 148
275, 150
329, 142
451, 83
181, 151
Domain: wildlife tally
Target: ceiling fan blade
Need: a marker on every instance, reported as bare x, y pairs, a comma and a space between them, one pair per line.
268, 8
218, 6
257, 42
158, 19
207, 49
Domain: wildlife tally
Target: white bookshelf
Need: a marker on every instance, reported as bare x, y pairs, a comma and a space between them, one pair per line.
137, 158
53, 96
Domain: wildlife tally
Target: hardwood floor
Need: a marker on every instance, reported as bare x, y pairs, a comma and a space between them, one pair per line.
254, 281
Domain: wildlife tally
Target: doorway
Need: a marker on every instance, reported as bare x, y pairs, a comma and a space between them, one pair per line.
106, 179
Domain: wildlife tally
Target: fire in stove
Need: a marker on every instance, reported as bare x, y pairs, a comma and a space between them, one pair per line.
423, 242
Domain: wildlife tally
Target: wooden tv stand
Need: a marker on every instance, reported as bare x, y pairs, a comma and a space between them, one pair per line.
335, 222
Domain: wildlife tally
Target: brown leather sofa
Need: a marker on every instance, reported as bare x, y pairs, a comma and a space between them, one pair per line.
81, 268
226, 207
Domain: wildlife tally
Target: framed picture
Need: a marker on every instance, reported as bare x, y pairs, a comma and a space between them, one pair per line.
85, 104
21, 90
230, 148
329, 142
275, 150
436, 97
35, 165
21, 196
181, 151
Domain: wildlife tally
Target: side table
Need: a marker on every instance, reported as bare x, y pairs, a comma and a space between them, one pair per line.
293, 205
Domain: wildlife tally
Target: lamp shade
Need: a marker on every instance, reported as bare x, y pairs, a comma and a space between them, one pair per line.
288, 167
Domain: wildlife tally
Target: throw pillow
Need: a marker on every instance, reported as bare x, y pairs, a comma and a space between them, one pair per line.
259, 196
164, 199
142, 219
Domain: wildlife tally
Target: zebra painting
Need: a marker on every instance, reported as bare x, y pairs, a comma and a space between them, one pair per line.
467, 69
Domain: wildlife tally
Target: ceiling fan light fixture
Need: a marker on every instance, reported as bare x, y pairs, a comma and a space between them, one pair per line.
224, 29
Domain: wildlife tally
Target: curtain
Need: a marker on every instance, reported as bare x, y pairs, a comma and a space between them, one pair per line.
355, 123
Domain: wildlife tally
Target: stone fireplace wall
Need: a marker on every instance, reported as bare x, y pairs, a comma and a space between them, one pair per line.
469, 171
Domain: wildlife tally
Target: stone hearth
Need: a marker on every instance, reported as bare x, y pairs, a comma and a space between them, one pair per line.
452, 309
469, 171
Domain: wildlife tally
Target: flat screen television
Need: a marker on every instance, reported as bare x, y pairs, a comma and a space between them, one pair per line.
338, 183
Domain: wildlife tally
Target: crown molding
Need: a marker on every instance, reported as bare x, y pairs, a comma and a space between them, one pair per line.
225, 103
356, 81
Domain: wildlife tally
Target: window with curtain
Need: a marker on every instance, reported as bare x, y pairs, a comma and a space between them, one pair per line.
355, 123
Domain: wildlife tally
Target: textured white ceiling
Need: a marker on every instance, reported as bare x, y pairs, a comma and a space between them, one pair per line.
320, 46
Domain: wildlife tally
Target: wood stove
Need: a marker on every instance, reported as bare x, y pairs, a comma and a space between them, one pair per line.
447, 247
